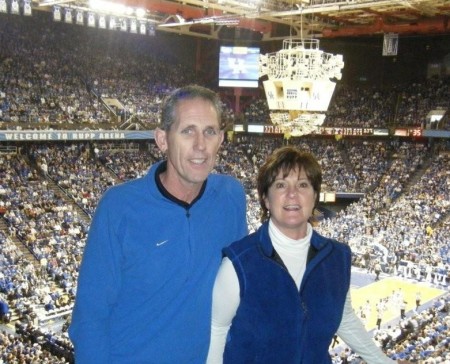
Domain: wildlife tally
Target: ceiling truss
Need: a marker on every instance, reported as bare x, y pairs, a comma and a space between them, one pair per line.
276, 20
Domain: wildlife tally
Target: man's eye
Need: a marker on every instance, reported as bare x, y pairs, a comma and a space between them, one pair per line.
211, 132
187, 131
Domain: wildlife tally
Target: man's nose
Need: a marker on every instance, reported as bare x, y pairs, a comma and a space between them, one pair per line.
200, 141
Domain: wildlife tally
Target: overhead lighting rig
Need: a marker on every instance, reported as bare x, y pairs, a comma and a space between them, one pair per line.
299, 84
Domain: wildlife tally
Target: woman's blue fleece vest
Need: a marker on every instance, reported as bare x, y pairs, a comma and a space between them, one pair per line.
275, 323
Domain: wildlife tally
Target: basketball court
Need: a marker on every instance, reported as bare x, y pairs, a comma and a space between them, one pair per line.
392, 290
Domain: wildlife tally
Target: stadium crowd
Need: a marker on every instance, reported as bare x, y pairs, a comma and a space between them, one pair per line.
46, 210
51, 77
48, 191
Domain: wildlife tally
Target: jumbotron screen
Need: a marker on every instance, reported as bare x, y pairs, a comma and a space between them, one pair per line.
239, 66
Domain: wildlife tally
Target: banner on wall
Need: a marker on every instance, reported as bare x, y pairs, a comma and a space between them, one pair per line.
73, 135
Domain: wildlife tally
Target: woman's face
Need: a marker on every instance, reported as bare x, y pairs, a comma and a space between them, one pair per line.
290, 201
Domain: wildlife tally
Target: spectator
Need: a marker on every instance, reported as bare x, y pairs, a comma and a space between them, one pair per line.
259, 315
154, 246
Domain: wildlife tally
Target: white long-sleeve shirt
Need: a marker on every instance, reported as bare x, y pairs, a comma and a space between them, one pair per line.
294, 254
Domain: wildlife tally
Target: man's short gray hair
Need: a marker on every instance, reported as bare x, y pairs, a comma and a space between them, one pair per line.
168, 113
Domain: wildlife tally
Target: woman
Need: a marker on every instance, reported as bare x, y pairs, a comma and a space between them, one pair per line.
282, 293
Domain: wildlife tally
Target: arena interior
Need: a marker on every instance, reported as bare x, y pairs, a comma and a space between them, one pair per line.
78, 106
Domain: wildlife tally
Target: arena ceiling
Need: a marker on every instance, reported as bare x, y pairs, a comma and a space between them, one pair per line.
275, 19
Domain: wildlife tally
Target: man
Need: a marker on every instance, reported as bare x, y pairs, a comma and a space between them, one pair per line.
380, 311
377, 270
418, 299
403, 309
154, 246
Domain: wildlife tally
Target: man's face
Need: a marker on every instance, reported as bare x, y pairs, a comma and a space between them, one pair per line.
192, 143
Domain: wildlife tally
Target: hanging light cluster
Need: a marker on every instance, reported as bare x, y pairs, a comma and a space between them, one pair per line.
299, 84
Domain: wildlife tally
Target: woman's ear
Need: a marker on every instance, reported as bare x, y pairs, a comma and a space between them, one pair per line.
266, 202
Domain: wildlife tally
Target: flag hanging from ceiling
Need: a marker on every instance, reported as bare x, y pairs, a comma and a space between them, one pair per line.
80, 17
102, 21
3, 6
68, 15
112, 23
390, 44
142, 28
91, 20
133, 26
57, 13
27, 8
15, 7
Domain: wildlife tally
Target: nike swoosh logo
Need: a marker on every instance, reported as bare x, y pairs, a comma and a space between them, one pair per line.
161, 242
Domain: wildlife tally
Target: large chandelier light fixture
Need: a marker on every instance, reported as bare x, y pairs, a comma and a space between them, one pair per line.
299, 84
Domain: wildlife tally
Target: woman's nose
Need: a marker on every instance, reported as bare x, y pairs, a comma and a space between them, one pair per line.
292, 191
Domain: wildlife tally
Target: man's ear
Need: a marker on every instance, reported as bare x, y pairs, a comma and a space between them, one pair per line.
161, 139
